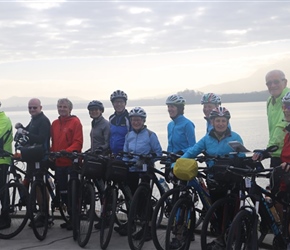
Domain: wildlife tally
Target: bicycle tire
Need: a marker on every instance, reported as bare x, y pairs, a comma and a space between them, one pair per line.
160, 217
241, 234
108, 216
181, 224
87, 212
139, 217
212, 229
38, 209
123, 204
18, 200
75, 198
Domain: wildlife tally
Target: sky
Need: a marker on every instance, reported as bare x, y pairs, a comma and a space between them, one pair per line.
88, 49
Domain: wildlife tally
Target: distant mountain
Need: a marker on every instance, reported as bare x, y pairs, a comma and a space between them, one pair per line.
253, 83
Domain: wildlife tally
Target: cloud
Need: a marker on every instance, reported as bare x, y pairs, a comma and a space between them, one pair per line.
112, 42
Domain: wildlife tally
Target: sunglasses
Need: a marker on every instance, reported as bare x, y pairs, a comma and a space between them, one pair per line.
32, 107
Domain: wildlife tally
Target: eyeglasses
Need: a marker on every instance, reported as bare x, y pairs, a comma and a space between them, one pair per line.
274, 82
286, 107
32, 107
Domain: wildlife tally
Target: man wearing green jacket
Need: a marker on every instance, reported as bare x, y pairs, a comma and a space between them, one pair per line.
6, 139
276, 83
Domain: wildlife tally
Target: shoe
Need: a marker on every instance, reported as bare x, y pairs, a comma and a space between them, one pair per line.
98, 225
39, 221
175, 244
215, 245
66, 225
5, 223
122, 230
139, 235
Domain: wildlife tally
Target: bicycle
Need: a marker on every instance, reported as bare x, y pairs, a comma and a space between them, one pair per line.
14, 199
116, 199
244, 231
144, 200
165, 204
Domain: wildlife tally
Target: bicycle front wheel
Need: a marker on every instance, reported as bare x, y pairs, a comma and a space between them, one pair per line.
38, 209
139, 217
14, 197
108, 215
160, 217
87, 213
241, 236
216, 223
181, 224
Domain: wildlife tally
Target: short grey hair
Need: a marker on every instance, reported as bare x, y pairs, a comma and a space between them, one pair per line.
66, 100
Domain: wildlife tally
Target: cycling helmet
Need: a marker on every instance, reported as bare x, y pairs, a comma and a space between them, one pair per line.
210, 98
175, 100
286, 98
137, 111
118, 94
96, 104
220, 112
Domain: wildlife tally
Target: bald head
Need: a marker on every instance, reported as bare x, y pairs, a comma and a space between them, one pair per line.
276, 82
34, 107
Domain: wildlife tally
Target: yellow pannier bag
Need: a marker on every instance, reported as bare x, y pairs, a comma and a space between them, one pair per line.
185, 169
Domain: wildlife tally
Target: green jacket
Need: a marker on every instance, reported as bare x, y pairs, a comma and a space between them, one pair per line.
6, 137
276, 124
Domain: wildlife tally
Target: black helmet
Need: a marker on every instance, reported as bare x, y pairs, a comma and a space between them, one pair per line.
96, 104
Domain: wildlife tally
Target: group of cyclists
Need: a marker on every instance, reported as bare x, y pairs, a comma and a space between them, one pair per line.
125, 131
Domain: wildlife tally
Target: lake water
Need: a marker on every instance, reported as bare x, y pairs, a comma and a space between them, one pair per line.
248, 119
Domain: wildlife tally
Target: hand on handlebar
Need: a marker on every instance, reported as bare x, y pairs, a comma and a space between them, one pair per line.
285, 166
260, 155
22, 131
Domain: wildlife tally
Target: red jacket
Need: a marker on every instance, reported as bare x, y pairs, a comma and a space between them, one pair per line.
66, 134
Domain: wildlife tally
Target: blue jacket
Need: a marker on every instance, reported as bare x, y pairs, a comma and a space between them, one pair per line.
119, 127
180, 134
212, 146
142, 142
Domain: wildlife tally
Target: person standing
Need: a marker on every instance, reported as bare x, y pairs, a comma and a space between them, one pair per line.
209, 101
37, 131
276, 83
66, 135
180, 131
100, 132
119, 121
6, 139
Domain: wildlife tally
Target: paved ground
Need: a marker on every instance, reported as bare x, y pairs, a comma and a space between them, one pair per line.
58, 238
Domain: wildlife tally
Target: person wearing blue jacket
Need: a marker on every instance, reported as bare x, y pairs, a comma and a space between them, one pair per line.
119, 121
215, 143
140, 140
180, 131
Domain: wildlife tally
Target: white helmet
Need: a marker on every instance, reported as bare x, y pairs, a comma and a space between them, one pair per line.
175, 100
118, 94
138, 111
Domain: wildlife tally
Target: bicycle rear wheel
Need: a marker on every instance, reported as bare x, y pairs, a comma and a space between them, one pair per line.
181, 225
14, 197
108, 215
38, 209
87, 212
217, 221
123, 203
241, 234
139, 217
160, 217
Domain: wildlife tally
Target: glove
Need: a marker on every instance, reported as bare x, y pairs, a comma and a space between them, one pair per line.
22, 131
261, 154
18, 125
